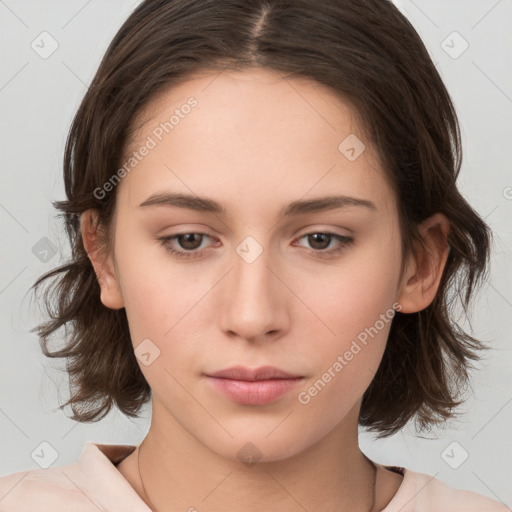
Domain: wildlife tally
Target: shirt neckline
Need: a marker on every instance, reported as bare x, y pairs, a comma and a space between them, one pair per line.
115, 454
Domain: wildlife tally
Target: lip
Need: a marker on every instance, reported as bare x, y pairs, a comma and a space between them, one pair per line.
257, 386
248, 374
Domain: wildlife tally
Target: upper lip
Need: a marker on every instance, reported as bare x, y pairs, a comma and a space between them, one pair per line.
261, 373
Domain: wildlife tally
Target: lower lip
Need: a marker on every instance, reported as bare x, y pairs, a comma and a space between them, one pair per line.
259, 392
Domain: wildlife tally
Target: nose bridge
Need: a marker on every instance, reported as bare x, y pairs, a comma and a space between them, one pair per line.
252, 304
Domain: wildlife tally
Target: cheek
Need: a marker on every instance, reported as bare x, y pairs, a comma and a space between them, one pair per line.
355, 305
352, 297
346, 362
157, 294
170, 315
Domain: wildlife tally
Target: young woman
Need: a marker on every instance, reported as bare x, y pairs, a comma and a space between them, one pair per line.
266, 234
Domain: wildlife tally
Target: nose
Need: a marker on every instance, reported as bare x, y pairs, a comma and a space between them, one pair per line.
253, 304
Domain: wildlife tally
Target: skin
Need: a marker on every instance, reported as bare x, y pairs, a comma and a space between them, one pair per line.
254, 143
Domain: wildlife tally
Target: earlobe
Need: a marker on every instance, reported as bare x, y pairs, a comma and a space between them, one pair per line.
103, 264
425, 267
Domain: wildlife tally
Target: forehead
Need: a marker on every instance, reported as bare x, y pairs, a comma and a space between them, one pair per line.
264, 94
251, 133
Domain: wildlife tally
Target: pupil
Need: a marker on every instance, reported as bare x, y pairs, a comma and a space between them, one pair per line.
189, 240
317, 237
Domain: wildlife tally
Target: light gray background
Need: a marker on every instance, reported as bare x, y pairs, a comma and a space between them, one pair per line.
38, 99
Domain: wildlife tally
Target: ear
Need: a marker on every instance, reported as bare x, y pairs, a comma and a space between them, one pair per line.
103, 264
425, 267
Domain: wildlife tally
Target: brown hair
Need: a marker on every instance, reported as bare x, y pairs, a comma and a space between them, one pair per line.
369, 54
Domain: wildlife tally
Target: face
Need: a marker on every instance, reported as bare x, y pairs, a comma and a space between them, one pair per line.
239, 274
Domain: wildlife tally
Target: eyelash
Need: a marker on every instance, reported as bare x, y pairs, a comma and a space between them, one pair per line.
344, 240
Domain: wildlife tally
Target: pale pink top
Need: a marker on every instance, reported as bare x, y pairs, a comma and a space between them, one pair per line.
93, 483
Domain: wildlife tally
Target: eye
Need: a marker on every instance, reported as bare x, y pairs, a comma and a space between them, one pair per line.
189, 243
321, 242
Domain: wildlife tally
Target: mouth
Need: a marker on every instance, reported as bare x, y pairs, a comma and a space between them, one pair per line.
259, 386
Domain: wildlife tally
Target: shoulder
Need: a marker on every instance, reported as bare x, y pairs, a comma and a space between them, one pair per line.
90, 484
423, 492
42, 490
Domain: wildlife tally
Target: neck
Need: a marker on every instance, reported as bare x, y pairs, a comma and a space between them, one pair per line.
332, 475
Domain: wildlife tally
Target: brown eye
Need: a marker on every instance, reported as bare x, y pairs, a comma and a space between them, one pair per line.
190, 241
186, 245
319, 241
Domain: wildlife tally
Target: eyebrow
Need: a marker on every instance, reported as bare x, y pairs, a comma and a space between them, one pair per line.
303, 206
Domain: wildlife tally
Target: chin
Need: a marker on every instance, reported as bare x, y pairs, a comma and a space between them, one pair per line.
257, 449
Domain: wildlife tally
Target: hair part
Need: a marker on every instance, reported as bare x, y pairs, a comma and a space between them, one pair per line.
369, 54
